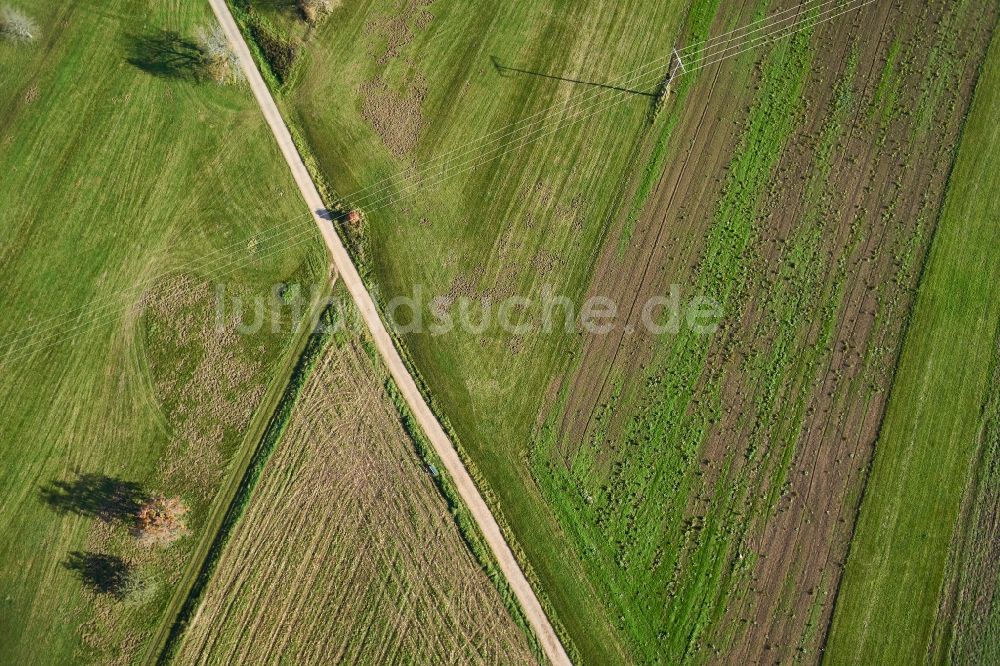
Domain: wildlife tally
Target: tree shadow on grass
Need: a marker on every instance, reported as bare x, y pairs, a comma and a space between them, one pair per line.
100, 573
95, 496
165, 53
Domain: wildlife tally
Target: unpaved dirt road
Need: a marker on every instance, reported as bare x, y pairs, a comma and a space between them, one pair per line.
428, 422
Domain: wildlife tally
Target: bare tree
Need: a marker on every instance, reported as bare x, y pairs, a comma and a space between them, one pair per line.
17, 26
314, 10
218, 58
160, 520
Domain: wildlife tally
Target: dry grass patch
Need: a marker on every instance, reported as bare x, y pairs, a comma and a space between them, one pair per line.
347, 552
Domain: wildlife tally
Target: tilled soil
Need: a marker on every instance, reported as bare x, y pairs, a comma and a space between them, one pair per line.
806, 352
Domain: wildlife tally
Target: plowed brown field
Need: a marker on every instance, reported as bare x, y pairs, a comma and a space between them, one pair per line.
777, 417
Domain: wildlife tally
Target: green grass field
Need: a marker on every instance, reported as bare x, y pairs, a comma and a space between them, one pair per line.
935, 423
126, 182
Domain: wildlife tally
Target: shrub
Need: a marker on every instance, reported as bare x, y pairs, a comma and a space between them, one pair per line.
314, 10
218, 58
278, 51
16, 26
160, 521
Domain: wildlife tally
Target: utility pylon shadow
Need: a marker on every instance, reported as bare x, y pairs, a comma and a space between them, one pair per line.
504, 70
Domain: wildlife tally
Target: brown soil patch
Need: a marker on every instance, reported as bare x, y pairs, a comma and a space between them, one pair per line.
396, 117
209, 389
398, 29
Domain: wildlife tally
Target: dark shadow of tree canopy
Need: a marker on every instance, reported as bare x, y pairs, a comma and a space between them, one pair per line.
165, 53
100, 573
96, 496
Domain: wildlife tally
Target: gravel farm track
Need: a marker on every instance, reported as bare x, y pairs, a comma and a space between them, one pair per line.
383, 342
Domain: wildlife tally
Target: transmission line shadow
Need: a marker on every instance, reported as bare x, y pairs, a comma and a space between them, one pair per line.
504, 70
